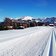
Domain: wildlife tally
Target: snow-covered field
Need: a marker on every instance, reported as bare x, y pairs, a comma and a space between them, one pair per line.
54, 42
34, 41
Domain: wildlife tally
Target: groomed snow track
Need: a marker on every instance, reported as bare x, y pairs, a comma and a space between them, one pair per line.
35, 41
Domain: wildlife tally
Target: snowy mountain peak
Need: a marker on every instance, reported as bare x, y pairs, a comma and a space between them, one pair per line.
27, 18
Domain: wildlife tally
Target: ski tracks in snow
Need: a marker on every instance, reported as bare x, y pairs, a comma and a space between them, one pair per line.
29, 42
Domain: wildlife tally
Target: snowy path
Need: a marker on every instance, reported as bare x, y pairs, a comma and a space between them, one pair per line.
54, 42
33, 41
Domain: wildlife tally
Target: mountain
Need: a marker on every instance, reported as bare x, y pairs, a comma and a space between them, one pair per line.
27, 18
51, 20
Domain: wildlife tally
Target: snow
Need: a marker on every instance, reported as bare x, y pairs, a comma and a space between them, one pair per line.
34, 41
54, 42
47, 49
27, 18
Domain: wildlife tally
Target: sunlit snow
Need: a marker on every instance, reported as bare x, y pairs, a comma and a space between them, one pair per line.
34, 41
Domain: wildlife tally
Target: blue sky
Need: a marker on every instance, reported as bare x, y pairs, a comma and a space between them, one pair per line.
35, 8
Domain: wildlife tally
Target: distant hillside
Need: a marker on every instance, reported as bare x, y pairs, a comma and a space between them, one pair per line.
50, 20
